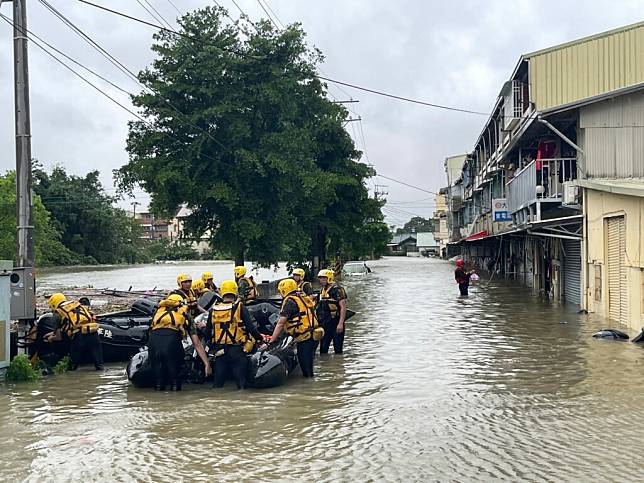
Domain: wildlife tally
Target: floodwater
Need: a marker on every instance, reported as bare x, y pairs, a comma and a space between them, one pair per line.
433, 387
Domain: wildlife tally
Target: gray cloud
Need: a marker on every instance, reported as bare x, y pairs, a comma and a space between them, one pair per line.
454, 53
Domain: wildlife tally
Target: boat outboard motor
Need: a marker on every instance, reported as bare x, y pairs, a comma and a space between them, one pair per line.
146, 305
610, 334
262, 313
207, 300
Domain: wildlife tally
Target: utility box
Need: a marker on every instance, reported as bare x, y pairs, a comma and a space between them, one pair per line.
23, 293
6, 269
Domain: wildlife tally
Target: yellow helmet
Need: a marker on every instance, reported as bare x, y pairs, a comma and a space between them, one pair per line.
199, 286
240, 271
326, 273
172, 300
55, 300
228, 287
206, 276
286, 287
299, 271
183, 278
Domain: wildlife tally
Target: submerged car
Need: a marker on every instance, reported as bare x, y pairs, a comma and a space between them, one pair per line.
355, 269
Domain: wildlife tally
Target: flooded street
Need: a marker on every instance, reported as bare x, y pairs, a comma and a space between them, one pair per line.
500, 385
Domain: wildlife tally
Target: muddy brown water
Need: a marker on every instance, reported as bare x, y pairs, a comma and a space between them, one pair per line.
433, 387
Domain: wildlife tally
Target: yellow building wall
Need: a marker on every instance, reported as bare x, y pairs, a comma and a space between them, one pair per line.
587, 68
600, 205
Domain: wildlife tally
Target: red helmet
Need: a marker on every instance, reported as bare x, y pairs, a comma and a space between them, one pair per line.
459, 262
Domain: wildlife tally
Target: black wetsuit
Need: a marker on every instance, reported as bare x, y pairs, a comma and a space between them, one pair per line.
306, 349
234, 361
83, 347
463, 280
167, 355
330, 323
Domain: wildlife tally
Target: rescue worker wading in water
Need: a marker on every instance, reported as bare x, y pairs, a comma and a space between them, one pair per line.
187, 294
232, 330
302, 285
297, 319
78, 324
170, 324
331, 310
247, 286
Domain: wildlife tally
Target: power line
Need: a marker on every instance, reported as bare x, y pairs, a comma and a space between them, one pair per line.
328, 79
273, 12
268, 14
175, 7
400, 98
37, 44
407, 184
125, 70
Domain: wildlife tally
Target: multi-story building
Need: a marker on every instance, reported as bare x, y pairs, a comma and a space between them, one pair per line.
154, 228
441, 235
551, 179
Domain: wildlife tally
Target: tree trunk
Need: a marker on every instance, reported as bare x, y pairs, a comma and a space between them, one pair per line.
319, 249
239, 258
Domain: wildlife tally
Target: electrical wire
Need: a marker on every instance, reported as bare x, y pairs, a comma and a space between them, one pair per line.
268, 14
328, 79
126, 71
273, 12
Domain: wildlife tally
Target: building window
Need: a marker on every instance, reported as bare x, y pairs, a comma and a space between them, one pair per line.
598, 283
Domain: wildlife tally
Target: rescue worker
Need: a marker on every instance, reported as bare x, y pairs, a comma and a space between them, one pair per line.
170, 325
208, 280
302, 285
199, 288
297, 319
247, 286
184, 282
232, 330
78, 324
462, 277
331, 310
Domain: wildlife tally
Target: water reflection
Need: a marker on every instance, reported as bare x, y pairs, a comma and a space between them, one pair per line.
499, 385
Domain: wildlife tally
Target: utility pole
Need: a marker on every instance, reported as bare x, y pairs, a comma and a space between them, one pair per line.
379, 192
24, 200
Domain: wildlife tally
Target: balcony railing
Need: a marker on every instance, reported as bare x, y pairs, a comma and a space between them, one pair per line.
541, 180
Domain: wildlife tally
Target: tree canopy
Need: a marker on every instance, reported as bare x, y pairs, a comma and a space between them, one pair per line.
417, 224
238, 128
84, 217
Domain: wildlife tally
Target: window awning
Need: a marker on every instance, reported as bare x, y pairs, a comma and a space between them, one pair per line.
477, 236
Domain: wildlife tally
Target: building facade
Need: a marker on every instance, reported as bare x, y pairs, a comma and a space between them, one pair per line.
550, 195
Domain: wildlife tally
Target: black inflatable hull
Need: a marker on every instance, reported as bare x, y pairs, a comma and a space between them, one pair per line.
265, 369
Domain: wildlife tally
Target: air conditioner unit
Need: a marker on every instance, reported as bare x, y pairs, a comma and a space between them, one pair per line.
570, 193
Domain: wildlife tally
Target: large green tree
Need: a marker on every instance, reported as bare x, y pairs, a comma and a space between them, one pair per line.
85, 217
239, 128
48, 246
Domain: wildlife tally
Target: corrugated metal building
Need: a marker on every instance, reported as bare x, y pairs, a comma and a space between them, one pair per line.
569, 119
587, 67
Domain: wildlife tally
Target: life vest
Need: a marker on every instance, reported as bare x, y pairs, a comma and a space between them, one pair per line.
171, 318
190, 298
251, 290
330, 303
304, 324
76, 318
227, 325
302, 286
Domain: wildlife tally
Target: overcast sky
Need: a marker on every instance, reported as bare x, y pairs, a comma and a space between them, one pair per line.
452, 53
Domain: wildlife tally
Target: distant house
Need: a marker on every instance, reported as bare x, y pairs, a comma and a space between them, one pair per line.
403, 244
154, 228
427, 244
